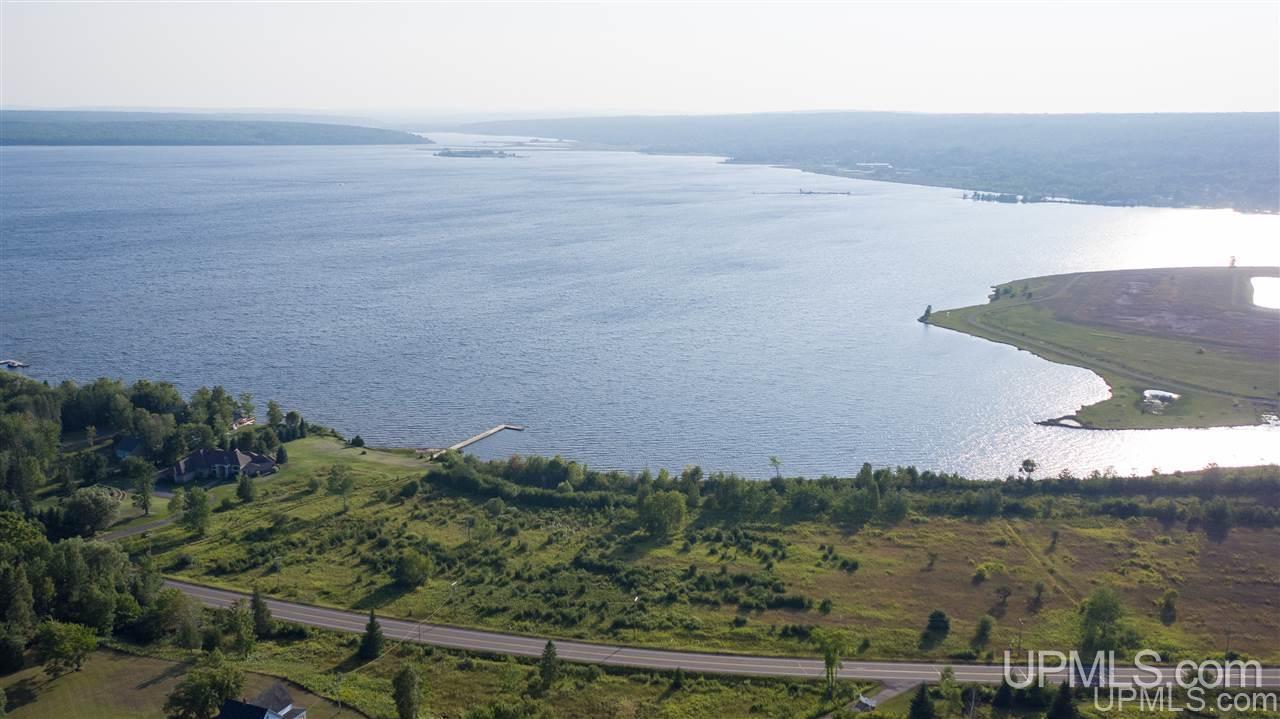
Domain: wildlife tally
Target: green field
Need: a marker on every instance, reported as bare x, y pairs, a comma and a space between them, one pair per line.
1191, 331
521, 569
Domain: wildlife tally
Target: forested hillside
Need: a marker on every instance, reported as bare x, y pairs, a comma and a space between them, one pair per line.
1177, 160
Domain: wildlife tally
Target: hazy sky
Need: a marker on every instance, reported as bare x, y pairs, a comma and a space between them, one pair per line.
670, 58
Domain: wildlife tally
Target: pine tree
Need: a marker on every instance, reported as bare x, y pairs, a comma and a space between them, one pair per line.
20, 614
1063, 707
372, 641
263, 624
282, 457
1004, 696
922, 705
549, 665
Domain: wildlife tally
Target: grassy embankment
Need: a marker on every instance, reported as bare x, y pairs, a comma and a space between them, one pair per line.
516, 572
1192, 331
135, 684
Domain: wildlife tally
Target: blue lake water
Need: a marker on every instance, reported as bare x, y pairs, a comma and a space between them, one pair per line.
631, 310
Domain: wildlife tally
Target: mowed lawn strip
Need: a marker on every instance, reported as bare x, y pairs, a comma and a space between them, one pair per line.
1191, 331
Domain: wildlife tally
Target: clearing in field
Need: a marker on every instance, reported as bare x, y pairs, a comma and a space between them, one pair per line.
1179, 347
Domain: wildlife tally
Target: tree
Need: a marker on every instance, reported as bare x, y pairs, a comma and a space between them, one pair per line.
142, 479
18, 602
341, 483
357, 441
833, 645
1101, 622
406, 691
412, 568
939, 623
202, 691
950, 692
1004, 696
662, 513
1063, 707
275, 417
62, 647
372, 641
91, 435
263, 625
178, 502
246, 405
1169, 606
1028, 467
88, 510
776, 464
240, 621
982, 634
1218, 518
922, 705
196, 511
282, 457
245, 489
548, 666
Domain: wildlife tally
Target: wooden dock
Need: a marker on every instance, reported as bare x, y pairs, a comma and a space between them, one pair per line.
433, 453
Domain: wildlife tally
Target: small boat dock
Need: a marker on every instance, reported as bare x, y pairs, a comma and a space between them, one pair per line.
433, 453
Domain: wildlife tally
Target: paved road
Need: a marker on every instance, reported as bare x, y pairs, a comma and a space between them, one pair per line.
575, 651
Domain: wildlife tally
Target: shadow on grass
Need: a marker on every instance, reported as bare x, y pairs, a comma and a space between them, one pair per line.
381, 596
169, 672
21, 693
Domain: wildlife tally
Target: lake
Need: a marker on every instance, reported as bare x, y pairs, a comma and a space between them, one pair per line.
633, 311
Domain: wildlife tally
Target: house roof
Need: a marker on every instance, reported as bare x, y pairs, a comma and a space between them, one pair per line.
276, 698
232, 709
203, 460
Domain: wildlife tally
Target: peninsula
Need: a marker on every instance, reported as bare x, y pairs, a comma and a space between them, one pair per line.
1179, 347
19, 127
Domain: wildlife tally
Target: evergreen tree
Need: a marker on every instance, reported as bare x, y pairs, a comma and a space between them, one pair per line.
20, 612
1063, 707
549, 665
406, 691
922, 705
1004, 696
282, 457
372, 641
263, 624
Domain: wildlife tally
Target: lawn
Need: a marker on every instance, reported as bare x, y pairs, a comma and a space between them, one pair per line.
116, 685
573, 573
1191, 331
